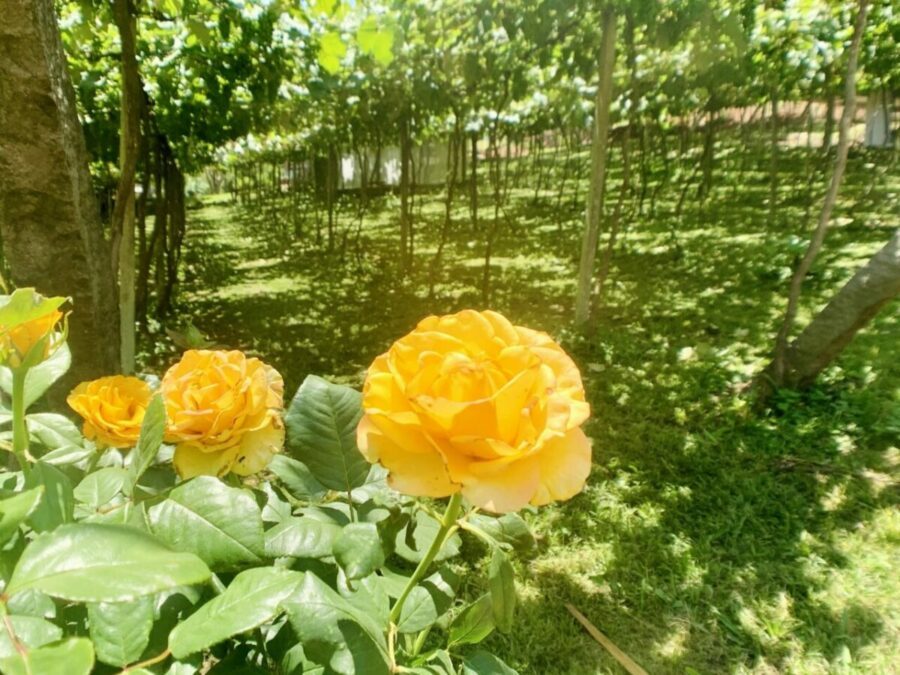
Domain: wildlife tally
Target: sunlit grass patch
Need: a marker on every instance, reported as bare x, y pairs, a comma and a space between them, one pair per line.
709, 540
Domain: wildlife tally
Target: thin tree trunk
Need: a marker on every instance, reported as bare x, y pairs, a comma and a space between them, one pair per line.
840, 164
405, 217
773, 159
829, 110
331, 192
453, 155
473, 177
606, 260
123, 214
140, 215
599, 145
49, 218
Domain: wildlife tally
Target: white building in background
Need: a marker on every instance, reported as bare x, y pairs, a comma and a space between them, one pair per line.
878, 120
429, 163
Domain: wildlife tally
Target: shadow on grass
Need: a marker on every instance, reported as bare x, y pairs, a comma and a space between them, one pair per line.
711, 543
708, 540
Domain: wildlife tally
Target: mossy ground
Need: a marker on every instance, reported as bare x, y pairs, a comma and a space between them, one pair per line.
710, 539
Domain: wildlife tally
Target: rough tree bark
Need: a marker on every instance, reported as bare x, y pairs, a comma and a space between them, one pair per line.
874, 285
599, 151
840, 163
48, 212
129, 148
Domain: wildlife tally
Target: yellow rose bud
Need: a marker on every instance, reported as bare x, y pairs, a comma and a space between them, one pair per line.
113, 409
468, 402
28, 323
224, 413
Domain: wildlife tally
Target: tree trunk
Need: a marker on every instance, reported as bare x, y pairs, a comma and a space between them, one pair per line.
331, 192
773, 159
829, 111
405, 215
48, 212
453, 155
840, 163
599, 145
123, 214
874, 285
173, 236
473, 176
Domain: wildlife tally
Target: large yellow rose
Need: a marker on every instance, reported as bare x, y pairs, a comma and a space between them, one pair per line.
113, 409
224, 413
470, 402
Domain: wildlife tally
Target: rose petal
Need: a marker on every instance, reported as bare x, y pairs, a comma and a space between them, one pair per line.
507, 489
258, 447
189, 461
565, 462
421, 474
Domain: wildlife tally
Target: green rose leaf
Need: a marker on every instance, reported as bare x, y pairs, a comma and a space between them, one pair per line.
485, 663
474, 623
31, 631
509, 529
502, 583
302, 538
358, 550
151, 438
252, 599
413, 541
74, 656
32, 603
334, 633
120, 631
15, 509
297, 478
419, 611
57, 503
41, 376
220, 524
102, 563
99, 488
53, 431
437, 662
321, 432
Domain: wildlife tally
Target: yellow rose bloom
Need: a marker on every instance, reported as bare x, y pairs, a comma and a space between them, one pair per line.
18, 341
223, 413
113, 409
469, 402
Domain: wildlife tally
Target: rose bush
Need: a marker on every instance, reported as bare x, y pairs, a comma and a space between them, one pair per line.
469, 402
202, 527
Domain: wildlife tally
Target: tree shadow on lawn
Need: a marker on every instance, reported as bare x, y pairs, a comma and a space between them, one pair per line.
709, 545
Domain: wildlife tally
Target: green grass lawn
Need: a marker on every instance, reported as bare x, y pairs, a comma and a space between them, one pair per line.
710, 539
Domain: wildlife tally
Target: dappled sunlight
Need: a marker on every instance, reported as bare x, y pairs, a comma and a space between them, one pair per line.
707, 538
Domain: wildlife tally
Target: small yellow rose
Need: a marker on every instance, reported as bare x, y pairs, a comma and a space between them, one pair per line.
469, 402
113, 409
224, 413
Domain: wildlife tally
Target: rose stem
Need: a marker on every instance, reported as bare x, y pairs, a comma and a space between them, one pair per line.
447, 528
20, 429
